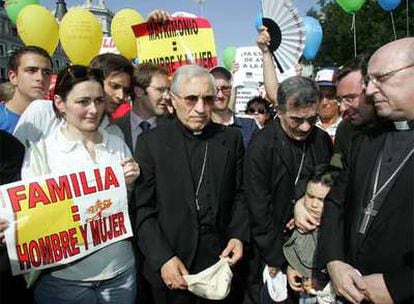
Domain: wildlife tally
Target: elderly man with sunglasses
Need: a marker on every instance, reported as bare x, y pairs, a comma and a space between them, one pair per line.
367, 231
189, 199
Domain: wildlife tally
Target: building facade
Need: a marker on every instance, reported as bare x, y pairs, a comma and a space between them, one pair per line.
10, 41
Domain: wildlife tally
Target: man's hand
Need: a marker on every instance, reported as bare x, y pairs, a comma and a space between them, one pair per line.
273, 271
294, 279
131, 171
376, 291
3, 227
263, 40
233, 251
305, 221
159, 16
172, 273
347, 281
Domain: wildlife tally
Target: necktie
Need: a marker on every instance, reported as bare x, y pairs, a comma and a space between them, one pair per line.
145, 126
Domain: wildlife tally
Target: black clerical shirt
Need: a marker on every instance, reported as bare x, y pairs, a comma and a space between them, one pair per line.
195, 145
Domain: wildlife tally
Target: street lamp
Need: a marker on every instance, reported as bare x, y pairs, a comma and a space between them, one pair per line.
60, 9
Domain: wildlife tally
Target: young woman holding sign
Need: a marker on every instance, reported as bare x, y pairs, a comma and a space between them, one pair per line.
107, 275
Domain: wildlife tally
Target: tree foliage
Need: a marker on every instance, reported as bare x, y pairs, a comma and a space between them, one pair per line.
373, 29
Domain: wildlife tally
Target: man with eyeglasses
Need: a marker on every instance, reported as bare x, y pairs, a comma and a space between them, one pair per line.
278, 163
189, 199
151, 100
30, 72
359, 114
367, 231
221, 111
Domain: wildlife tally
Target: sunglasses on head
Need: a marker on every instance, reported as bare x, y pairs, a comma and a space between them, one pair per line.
256, 111
80, 71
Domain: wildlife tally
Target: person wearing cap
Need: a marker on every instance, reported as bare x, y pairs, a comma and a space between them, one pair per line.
278, 164
328, 111
367, 229
190, 208
221, 112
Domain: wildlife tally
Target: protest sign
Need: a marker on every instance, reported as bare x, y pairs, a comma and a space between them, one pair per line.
59, 218
250, 71
176, 43
108, 46
243, 95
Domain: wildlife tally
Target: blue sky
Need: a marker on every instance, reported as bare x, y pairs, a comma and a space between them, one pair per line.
232, 20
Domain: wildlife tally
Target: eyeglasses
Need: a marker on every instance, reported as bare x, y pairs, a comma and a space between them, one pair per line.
381, 78
193, 99
297, 121
224, 89
348, 98
76, 73
161, 90
256, 111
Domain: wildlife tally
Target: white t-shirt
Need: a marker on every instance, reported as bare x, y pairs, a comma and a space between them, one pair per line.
63, 154
39, 120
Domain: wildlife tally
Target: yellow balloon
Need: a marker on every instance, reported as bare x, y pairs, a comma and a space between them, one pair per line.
37, 26
122, 33
80, 35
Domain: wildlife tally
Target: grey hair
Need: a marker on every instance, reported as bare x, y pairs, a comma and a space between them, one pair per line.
187, 72
304, 91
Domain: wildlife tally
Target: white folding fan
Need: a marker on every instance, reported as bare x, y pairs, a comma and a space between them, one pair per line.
286, 30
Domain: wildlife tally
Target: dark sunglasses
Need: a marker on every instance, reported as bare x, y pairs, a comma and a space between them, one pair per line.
256, 111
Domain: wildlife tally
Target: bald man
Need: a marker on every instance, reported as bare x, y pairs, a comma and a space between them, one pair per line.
367, 237
391, 78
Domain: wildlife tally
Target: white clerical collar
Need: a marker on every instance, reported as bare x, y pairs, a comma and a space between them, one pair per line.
404, 125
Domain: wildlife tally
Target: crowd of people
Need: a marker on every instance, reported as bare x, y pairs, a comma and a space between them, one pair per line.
309, 199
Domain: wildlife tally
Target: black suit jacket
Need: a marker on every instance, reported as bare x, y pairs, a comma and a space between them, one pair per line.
270, 186
11, 160
124, 123
387, 247
166, 216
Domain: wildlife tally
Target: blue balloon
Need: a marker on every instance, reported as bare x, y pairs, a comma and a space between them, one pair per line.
258, 22
314, 36
388, 5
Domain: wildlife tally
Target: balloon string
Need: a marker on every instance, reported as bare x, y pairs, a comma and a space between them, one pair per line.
353, 27
393, 26
408, 17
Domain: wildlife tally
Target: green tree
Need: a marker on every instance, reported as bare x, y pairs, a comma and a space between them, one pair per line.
373, 29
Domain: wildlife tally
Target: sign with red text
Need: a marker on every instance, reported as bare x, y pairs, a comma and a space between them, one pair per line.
176, 43
57, 219
108, 46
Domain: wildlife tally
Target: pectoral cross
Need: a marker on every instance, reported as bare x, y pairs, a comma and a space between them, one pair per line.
369, 212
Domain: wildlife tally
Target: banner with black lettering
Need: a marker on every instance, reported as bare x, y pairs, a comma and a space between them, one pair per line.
176, 43
59, 218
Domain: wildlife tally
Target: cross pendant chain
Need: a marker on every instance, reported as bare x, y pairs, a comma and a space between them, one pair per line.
371, 210
369, 213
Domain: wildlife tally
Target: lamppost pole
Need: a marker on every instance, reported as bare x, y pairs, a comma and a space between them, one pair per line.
60, 9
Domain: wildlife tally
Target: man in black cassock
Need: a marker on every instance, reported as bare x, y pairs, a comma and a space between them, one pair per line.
366, 236
189, 199
278, 164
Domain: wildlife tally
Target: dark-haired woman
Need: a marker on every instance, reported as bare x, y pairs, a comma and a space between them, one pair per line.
107, 275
